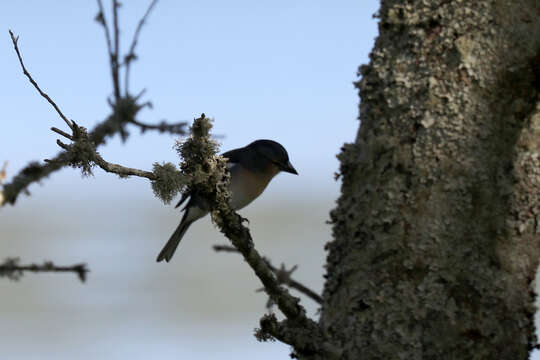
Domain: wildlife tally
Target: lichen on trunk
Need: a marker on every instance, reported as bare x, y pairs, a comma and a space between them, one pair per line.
436, 235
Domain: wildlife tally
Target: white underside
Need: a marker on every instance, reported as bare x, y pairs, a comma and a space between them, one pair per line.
240, 191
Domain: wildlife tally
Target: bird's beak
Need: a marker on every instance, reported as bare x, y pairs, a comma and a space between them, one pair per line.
289, 168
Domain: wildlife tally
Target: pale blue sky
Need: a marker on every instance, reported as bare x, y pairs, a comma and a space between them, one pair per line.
277, 69
281, 70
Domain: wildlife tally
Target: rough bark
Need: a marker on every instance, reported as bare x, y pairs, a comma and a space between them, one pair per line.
436, 233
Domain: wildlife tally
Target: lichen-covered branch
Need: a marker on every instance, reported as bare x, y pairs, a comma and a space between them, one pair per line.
83, 153
205, 172
12, 270
283, 275
210, 179
166, 180
306, 342
124, 110
202, 171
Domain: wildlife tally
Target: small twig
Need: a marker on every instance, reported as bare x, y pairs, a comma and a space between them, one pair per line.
62, 145
13, 271
131, 54
103, 21
115, 63
122, 170
176, 128
15, 40
282, 274
225, 248
124, 111
64, 134
111, 49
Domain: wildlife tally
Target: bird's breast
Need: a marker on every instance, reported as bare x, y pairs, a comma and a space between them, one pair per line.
246, 185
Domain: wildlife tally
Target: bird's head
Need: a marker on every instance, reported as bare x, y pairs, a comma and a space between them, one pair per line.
275, 153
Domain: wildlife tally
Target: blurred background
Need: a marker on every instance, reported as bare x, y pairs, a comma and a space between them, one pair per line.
280, 70
269, 69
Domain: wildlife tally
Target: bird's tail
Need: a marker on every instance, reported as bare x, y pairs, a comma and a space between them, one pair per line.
168, 250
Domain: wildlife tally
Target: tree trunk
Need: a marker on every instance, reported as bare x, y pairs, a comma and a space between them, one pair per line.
436, 233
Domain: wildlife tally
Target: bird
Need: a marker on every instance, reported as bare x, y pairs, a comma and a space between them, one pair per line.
251, 168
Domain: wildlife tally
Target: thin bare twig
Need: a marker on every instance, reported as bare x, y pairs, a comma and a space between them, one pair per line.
112, 49
64, 134
103, 21
33, 82
131, 54
11, 269
124, 112
122, 170
176, 128
115, 63
282, 274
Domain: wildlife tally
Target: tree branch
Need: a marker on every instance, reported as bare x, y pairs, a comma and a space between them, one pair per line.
306, 342
100, 18
175, 128
112, 48
131, 56
11, 269
121, 170
82, 144
212, 179
283, 275
202, 163
202, 171
124, 111
114, 59
78, 158
15, 41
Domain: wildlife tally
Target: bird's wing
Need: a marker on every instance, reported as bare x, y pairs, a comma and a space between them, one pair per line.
233, 155
184, 198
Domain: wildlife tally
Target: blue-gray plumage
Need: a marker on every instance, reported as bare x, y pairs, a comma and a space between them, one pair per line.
251, 167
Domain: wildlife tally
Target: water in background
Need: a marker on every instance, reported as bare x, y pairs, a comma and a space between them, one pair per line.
202, 305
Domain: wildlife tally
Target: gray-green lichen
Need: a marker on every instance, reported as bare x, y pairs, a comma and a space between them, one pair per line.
201, 170
81, 152
170, 181
436, 240
206, 171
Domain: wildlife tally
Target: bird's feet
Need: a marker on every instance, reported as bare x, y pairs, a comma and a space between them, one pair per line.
243, 219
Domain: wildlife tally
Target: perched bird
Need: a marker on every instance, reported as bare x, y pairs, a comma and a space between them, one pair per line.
251, 168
